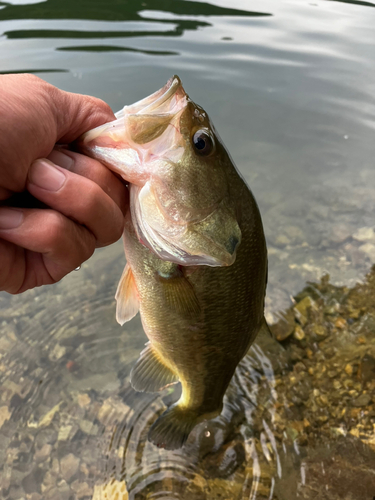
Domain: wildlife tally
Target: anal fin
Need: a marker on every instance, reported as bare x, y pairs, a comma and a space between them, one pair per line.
126, 297
150, 374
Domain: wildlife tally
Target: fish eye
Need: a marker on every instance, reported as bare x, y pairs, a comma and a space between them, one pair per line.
203, 142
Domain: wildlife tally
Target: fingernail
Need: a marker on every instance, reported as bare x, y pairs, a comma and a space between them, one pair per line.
10, 218
45, 175
61, 159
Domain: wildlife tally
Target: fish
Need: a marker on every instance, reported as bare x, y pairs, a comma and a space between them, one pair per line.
196, 256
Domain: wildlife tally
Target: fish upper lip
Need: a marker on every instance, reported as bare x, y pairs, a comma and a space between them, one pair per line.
171, 88
161, 97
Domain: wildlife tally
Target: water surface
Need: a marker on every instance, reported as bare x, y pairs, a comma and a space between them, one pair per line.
290, 87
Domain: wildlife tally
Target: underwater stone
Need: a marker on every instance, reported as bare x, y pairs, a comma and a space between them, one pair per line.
284, 327
57, 352
64, 432
88, 427
369, 250
282, 241
35, 496
48, 436
348, 369
69, 466
4, 415
365, 234
83, 400
366, 370
320, 330
362, 400
299, 334
43, 453
48, 417
301, 309
31, 482
81, 489
49, 481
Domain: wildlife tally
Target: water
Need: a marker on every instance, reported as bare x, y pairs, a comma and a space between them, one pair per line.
289, 86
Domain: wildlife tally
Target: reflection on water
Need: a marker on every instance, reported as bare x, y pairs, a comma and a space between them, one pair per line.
116, 11
289, 85
113, 48
135, 11
35, 71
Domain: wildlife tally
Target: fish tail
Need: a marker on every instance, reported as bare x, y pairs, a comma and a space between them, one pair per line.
172, 428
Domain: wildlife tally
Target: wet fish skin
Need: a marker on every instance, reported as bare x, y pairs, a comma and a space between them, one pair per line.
200, 319
202, 349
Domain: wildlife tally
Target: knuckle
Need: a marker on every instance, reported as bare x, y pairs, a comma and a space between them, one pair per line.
68, 240
100, 105
54, 229
12, 269
85, 245
98, 111
117, 226
92, 200
111, 226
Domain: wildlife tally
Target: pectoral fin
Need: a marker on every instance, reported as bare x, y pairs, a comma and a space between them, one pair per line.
150, 374
126, 297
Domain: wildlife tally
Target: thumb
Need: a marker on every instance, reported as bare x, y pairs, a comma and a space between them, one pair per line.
78, 114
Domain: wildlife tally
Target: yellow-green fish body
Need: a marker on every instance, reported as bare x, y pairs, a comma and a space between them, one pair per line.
196, 257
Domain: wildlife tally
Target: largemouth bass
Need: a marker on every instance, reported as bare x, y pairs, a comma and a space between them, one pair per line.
195, 249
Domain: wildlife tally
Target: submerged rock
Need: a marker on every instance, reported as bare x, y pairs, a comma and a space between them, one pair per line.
69, 466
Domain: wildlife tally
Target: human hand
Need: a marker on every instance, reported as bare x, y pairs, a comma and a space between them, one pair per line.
86, 202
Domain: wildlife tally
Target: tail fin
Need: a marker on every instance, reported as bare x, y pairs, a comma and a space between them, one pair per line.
172, 428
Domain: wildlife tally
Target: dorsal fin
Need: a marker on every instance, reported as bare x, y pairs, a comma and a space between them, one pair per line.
150, 374
126, 297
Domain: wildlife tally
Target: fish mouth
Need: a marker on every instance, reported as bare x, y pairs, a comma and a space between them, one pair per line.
150, 128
